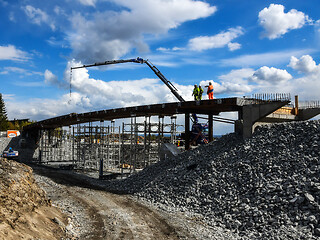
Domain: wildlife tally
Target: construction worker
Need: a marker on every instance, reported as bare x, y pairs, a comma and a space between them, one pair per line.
200, 93
195, 92
210, 91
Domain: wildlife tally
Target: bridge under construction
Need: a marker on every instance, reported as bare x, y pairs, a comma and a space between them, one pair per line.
93, 141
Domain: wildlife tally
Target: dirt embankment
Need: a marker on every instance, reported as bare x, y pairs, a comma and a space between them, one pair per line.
25, 211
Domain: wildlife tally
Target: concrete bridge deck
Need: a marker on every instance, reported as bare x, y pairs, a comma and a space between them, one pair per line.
250, 111
213, 107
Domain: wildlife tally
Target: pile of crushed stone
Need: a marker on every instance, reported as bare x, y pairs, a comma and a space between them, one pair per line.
266, 187
25, 210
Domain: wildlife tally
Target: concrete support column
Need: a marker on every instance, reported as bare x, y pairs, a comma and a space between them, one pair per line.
210, 133
296, 105
187, 130
252, 113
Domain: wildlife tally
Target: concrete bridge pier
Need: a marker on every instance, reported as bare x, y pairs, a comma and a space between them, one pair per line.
252, 113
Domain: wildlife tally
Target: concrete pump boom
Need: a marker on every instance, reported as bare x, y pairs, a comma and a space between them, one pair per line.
140, 60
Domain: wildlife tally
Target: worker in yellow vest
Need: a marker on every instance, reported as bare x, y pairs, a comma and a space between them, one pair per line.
195, 92
200, 93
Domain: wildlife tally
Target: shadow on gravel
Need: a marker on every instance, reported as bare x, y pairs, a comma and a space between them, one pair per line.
71, 178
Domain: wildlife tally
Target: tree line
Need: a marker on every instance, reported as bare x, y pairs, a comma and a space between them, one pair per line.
5, 124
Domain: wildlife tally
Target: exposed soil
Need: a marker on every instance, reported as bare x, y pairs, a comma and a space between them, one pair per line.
25, 211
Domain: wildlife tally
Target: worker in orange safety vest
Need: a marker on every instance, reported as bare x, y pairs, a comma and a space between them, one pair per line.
210, 91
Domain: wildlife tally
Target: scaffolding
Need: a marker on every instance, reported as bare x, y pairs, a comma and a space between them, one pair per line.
108, 149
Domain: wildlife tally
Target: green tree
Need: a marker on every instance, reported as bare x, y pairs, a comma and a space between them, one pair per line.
3, 115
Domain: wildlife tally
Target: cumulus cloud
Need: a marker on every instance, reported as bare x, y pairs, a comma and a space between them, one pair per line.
237, 76
37, 16
307, 86
110, 35
39, 109
51, 79
122, 93
89, 94
270, 75
277, 23
10, 52
305, 64
273, 80
233, 83
217, 41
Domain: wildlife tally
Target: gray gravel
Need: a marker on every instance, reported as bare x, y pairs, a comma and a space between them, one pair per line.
4, 142
266, 187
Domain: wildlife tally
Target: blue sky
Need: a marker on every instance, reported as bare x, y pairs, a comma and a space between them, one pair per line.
242, 47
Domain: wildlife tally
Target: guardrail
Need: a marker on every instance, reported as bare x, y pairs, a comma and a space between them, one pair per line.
272, 96
309, 104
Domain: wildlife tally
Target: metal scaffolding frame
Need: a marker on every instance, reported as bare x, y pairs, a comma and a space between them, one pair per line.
111, 148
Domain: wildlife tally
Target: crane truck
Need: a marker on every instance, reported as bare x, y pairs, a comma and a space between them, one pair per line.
199, 131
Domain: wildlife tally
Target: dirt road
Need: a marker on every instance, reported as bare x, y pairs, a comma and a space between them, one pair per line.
96, 214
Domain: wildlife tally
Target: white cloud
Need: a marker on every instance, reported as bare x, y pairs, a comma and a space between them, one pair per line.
110, 35
271, 75
122, 93
39, 109
7, 70
59, 11
272, 80
307, 86
88, 2
8, 96
234, 46
162, 49
37, 16
51, 79
10, 52
239, 76
90, 94
178, 49
217, 41
277, 23
305, 64
270, 58
233, 83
